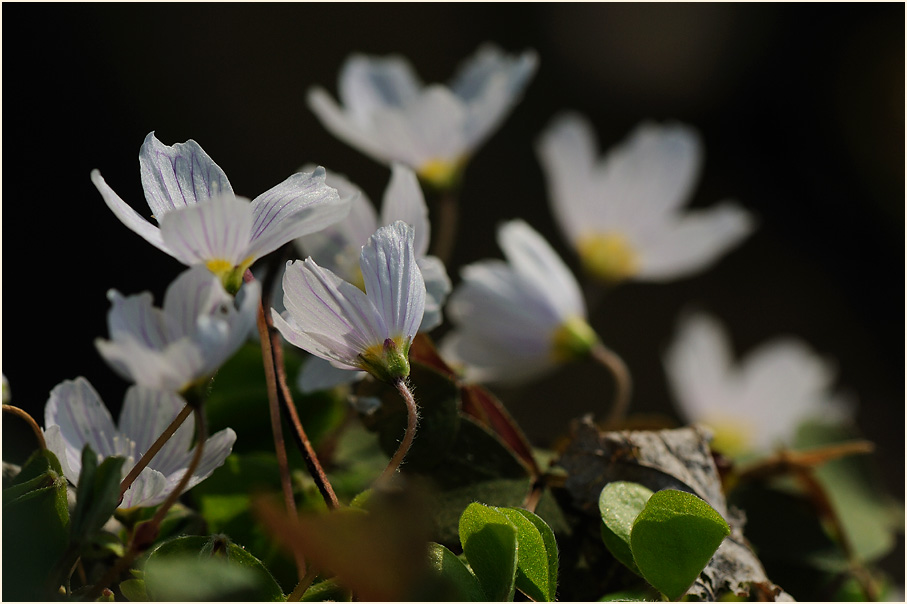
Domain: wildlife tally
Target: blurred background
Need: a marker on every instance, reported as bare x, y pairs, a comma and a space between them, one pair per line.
801, 109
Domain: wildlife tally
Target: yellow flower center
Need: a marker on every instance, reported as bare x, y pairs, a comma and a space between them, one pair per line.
572, 340
442, 173
732, 437
608, 256
230, 276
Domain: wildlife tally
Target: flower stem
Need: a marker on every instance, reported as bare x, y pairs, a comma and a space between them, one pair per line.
302, 586
20, 413
412, 422
154, 449
146, 533
276, 428
447, 221
271, 339
622, 382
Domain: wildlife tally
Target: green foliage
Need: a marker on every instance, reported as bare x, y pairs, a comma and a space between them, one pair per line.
207, 568
454, 575
97, 495
673, 538
36, 527
490, 544
620, 503
537, 555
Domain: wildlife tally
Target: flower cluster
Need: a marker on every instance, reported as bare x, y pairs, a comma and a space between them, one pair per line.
367, 284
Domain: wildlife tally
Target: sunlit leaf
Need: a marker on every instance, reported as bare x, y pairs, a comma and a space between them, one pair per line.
673, 538
619, 504
489, 542
537, 556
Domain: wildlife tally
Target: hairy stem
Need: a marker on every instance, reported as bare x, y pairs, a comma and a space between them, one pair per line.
622, 382
154, 449
412, 422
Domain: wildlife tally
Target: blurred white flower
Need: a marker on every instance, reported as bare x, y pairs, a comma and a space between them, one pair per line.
387, 113
623, 213
175, 347
355, 330
758, 403
338, 246
75, 416
203, 222
518, 319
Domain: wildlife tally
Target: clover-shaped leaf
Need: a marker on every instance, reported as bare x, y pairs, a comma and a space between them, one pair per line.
620, 503
673, 538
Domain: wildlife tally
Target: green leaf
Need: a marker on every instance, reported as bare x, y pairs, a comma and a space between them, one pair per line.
207, 568
536, 555
673, 538
327, 591
620, 503
457, 577
489, 542
97, 495
35, 529
134, 590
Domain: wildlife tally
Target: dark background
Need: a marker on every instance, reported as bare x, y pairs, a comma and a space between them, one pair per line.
801, 108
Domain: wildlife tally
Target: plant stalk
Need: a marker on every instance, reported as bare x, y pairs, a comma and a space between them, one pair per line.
412, 423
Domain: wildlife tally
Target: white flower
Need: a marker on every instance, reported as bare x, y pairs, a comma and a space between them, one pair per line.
388, 114
338, 246
203, 222
755, 404
75, 416
369, 331
173, 348
518, 319
623, 213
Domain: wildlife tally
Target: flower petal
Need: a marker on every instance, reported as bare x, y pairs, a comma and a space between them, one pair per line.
393, 280
322, 304
319, 374
217, 448
300, 205
567, 150
145, 415
148, 489
343, 126
76, 408
403, 200
178, 176
539, 265
437, 288
172, 369
694, 242
216, 230
698, 365
127, 215
70, 459
368, 83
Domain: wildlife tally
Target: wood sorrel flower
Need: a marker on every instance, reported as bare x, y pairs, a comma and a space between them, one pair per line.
516, 320
622, 213
203, 222
75, 416
755, 404
369, 331
389, 115
337, 248
175, 347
